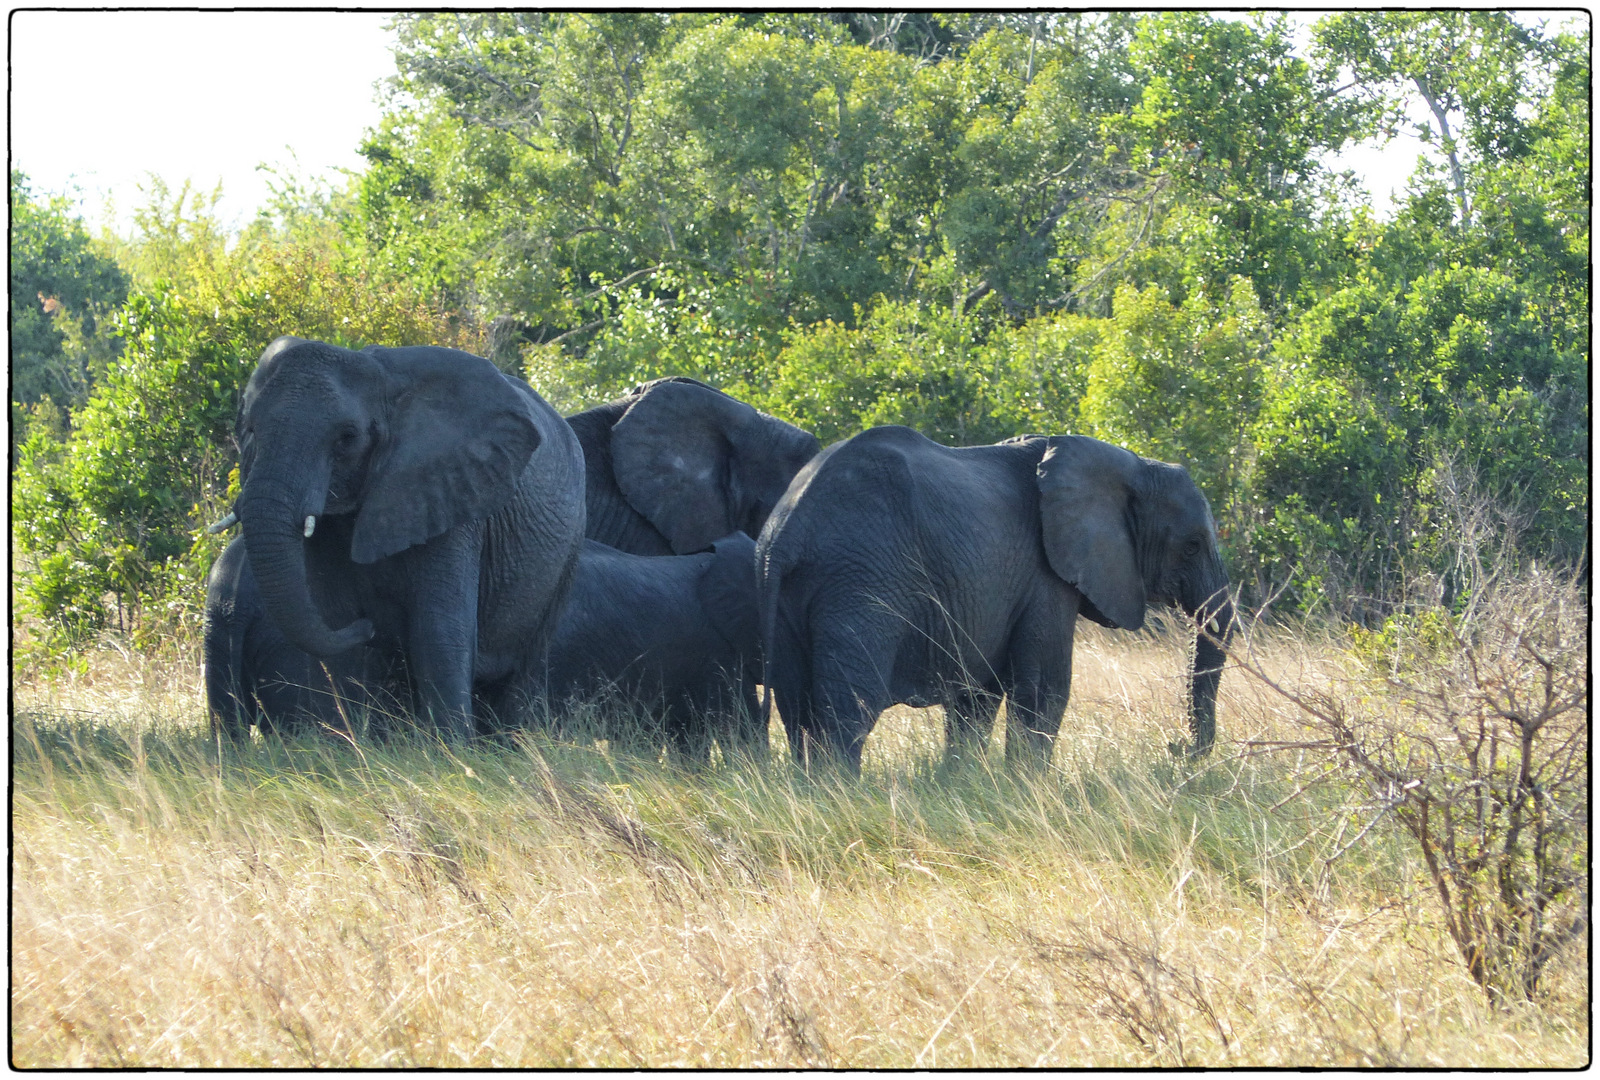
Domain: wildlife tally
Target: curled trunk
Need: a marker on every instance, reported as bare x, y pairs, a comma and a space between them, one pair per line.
274, 537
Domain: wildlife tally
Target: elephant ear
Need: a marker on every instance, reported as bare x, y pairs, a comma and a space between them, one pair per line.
1085, 510
670, 455
695, 462
459, 434
727, 591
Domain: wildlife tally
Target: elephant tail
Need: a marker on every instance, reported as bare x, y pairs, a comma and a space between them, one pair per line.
768, 587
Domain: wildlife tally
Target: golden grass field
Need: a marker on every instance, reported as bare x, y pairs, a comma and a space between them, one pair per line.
318, 903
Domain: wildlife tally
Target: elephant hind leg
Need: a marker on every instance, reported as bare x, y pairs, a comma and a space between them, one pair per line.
850, 680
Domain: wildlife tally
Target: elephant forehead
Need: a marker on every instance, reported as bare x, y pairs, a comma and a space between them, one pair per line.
1185, 499
314, 397
315, 381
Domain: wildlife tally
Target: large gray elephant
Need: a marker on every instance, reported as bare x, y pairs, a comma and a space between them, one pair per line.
676, 464
254, 675
671, 639
414, 498
896, 570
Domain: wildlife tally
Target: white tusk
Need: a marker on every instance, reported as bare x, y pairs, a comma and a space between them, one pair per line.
225, 523
311, 525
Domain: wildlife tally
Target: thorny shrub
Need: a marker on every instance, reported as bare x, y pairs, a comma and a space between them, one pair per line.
1471, 734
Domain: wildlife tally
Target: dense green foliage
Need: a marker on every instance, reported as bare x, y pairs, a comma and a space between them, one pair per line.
982, 225
61, 289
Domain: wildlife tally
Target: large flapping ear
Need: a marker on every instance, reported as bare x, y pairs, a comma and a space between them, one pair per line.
670, 456
458, 435
1085, 495
767, 455
727, 591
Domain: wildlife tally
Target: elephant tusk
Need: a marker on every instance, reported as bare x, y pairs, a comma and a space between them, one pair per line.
223, 523
311, 525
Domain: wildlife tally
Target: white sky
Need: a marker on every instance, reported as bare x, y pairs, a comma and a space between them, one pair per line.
100, 99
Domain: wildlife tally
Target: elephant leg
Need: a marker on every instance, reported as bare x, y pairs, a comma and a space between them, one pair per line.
789, 669
518, 701
1039, 681
851, 668
689, 725
969, 714
749, 736
442, 630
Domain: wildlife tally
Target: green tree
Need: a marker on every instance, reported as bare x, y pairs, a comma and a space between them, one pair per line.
1180, 382
560, 159
1227, 132
1478, 65
62, 287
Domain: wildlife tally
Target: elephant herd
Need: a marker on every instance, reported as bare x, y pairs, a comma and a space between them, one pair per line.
424, 535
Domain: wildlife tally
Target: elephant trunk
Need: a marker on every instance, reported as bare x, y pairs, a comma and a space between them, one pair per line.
1215, 618
275, 527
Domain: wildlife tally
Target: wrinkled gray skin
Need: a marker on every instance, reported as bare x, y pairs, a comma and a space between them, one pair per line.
255, 676
672, 637
448, 506
675, 465
896, 570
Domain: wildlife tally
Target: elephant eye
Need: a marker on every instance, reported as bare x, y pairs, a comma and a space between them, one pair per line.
1192, 547
348, 435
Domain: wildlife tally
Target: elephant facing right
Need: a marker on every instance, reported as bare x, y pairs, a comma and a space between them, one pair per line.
899, 571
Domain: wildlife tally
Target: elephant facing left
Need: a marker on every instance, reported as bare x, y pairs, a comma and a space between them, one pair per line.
415, 499
668, 641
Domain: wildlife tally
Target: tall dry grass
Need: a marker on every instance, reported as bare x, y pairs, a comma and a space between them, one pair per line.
317, 903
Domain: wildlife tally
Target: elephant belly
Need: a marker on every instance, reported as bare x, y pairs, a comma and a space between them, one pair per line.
945, 647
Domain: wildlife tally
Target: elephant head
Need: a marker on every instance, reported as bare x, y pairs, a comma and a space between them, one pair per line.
1127, 532
693, 462
727, 592
403, 443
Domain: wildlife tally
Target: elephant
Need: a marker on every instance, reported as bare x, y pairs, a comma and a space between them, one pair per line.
254, 675
417, 499
675, 464
671, 635
897, 570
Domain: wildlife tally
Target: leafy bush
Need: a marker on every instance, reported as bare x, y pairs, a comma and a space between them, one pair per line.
1180, 382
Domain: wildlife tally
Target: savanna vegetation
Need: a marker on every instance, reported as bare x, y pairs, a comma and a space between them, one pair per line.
1121, 225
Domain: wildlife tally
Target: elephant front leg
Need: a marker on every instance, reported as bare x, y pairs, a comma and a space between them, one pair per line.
442, 630
969, 714
1038, 683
